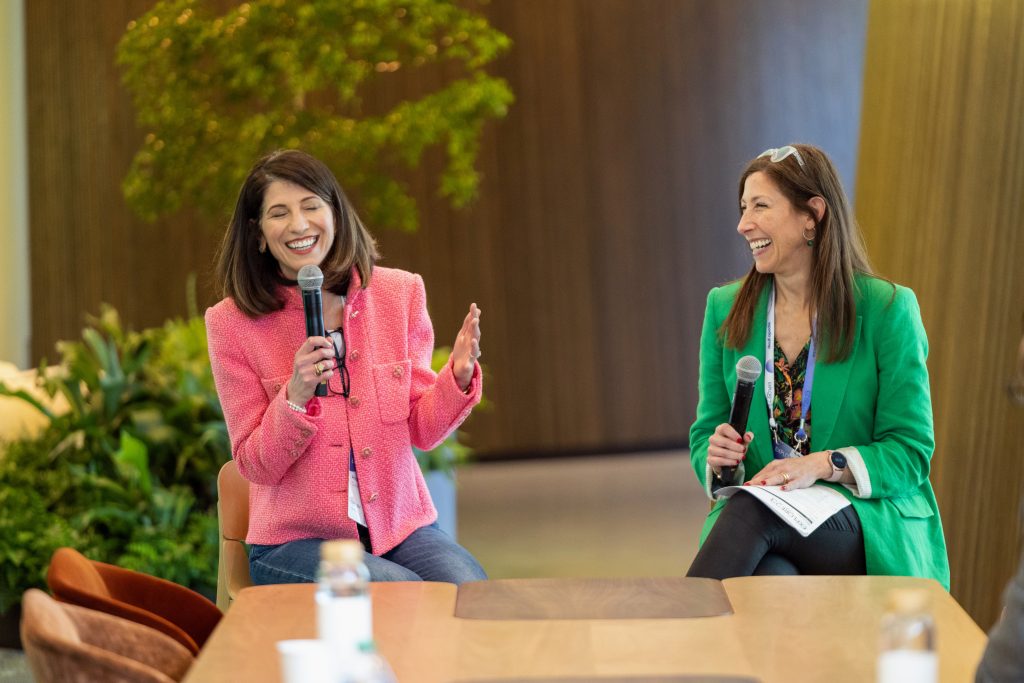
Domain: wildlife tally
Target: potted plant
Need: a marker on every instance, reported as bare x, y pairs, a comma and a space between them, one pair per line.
438, 465
127, 473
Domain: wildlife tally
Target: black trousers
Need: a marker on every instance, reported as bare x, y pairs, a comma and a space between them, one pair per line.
748, 539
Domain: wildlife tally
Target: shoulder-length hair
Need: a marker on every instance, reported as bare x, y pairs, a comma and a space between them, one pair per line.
251, 277
838, 252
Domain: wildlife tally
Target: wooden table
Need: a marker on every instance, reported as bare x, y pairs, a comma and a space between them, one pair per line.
786, 629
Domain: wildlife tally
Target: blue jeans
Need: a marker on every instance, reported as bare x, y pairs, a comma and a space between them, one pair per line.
428, 554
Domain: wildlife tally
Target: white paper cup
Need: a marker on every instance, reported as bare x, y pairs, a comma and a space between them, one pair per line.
306, 661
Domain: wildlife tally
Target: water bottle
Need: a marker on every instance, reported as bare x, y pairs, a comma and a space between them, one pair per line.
343, 611
907, 640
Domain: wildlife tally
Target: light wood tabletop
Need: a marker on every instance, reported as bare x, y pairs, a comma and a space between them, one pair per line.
785, 629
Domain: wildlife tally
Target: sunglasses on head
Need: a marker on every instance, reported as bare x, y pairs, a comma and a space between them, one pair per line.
777, 154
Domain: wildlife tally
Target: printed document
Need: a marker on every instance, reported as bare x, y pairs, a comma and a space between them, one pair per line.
802, 509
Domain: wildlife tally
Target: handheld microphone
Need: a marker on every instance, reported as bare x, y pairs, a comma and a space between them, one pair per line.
748, 369
311, 279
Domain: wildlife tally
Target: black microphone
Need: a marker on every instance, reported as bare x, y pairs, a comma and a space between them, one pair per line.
311, 279
748, 369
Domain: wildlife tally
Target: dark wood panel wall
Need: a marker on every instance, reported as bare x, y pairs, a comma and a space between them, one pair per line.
607, 209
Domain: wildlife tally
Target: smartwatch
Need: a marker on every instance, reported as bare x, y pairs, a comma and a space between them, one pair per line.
838, 462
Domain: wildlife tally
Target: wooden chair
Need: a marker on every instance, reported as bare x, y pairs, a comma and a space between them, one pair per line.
233, 524
71, 644
182, 614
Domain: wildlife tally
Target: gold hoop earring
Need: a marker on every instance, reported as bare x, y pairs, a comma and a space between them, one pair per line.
810, 240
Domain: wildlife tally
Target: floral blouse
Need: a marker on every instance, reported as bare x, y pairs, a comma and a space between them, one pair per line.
789, 391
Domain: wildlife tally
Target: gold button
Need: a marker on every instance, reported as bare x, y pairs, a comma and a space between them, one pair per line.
294, 453
277, 387
397, 372
354, 401
373, 497
354, 356
306, 432
367, 452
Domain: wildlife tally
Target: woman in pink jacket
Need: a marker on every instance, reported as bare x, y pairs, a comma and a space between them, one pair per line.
339, 466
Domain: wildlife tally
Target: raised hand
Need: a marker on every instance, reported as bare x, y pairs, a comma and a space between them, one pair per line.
467, 348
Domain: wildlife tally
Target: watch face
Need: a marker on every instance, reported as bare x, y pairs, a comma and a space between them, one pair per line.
838, 460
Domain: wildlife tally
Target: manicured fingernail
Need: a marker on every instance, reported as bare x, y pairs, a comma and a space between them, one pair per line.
763, 482
784, 488
739, 441
746, 483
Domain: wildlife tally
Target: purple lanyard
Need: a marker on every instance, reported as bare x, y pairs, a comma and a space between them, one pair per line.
769, 375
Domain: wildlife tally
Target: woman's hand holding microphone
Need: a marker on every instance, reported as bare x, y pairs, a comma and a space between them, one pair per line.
314, 363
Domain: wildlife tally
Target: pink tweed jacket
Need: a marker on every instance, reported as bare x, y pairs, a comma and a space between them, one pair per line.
298, 464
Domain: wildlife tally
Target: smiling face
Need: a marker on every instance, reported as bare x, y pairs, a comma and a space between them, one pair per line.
297, 226
774, 228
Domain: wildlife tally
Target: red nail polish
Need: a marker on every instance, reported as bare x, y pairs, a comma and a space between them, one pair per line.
784, 488
763, 482
746, 483
740, 441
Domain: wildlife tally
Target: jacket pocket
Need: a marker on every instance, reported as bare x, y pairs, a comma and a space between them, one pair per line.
393, 382
273, 385
915, 506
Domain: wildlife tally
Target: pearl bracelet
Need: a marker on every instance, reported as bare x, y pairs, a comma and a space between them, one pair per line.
296, 407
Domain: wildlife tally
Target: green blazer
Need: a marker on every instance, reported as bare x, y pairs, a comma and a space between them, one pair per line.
875, 406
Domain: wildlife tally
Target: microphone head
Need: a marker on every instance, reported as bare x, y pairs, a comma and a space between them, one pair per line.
748, 369
311, 277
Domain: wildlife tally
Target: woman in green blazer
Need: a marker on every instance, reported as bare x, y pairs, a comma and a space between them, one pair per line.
861, 423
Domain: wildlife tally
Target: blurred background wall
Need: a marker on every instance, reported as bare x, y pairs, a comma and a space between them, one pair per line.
609, 204
941, 197
606, 213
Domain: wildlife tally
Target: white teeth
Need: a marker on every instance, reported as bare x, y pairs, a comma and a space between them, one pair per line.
302, 244
759, 244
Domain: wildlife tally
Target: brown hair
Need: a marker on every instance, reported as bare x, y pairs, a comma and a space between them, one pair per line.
250, 277
838, 253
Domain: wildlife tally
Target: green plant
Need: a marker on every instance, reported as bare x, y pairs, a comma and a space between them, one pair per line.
451, 452
213, 93
127, 474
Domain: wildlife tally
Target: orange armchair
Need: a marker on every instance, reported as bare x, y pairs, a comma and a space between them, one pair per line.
70, 644
174, 610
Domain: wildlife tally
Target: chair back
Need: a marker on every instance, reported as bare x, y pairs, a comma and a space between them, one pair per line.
233, 523
73, 644
176, 611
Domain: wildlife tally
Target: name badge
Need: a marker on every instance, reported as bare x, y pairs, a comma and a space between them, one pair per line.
782, 450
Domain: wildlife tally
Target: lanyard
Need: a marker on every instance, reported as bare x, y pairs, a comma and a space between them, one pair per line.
769, 375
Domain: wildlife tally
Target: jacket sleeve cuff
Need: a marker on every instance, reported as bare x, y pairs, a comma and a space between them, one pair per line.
861, 488
296, 429
461, 402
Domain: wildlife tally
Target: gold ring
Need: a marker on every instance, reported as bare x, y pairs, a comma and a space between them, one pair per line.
317, 369
785, 478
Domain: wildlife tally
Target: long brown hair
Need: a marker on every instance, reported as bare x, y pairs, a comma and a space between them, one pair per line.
250, 277
838, 252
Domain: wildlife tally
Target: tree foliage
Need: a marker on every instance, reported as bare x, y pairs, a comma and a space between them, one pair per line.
214, 93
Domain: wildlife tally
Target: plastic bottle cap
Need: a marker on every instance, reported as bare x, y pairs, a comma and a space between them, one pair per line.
907, 600
348, 551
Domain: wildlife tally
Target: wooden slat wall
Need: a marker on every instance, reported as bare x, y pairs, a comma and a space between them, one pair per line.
940, 196
607, 210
